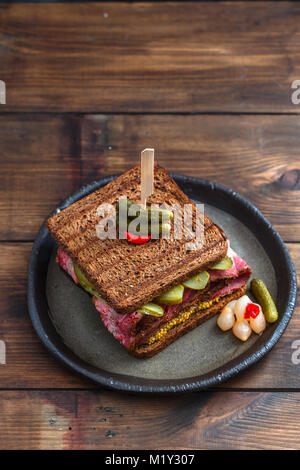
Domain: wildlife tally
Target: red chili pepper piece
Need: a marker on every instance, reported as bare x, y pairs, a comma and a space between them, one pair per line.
252, 310
137, 239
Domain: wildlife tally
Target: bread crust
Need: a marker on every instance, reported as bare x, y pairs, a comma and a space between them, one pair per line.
148, 351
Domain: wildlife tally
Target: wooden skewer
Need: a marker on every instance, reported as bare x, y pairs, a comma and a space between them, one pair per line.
147, 174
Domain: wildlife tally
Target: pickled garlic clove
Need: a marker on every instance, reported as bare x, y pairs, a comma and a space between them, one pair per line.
240, 307
259, 323
242, 330
231, 305
226, 319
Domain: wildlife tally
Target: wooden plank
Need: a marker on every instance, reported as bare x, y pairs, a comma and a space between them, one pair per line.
40, 165
90, 420
121, 57
46, 157
28, 364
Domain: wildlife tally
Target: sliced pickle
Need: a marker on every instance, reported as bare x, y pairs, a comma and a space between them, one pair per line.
159, 229
85, 283
123, 207
197, 282
154, 230
132, 210
224, 264
144, 213
152, 309
162, 214
171, 297
124, 204
164, 229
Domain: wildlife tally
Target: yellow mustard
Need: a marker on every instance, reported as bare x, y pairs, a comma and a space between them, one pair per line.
181, 318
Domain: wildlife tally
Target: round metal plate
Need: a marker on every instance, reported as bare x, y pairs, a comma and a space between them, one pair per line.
206, 192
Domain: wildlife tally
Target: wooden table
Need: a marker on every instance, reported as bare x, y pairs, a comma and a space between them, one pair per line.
90, 85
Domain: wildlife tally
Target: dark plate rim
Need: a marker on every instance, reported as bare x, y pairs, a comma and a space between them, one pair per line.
248, 214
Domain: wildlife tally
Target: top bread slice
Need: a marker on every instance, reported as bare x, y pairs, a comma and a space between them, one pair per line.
128, 275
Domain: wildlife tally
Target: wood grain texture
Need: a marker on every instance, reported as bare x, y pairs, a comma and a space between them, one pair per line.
46, 157
30, 366
34, 152
93, 420
163, 57
179, 57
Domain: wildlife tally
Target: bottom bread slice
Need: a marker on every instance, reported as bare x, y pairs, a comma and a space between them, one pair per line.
144, 351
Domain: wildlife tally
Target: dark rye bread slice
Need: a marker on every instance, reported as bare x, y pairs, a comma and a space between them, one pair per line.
127, 275
144, 351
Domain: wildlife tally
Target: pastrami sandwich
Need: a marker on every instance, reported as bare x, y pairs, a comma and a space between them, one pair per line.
148, 295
